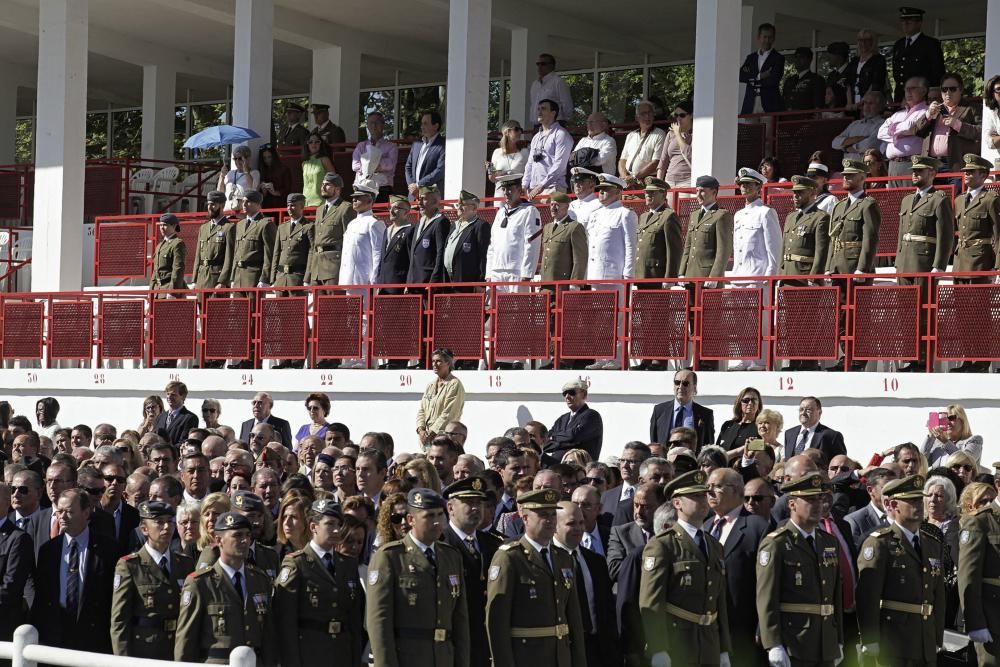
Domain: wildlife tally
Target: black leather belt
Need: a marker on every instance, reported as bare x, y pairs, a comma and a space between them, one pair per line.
155, 623
288, 268
424, 634
330, 627
325, 248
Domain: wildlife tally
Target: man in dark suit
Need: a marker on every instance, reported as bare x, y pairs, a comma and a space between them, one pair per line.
872, 516
395, 262
805, 89
425, 163
580, 428
465, 509
631, 459
17, 559
73, 581
654, 470
593, 587
633, 536
740, 533
915, 54
430, 237
125, 518
261, 406
810, 434
762, 71
596, 526
682, 411
174, 423
468, 241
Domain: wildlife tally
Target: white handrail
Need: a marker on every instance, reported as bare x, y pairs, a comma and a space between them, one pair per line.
25, 651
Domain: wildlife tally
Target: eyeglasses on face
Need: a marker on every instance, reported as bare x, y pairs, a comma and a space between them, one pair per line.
595, 481
949, 89
94, 490
839, 469
114, 479
748, 399
755, 498
682, 383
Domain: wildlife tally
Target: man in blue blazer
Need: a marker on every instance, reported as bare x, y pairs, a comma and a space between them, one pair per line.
425, 163
762, 71
682, 411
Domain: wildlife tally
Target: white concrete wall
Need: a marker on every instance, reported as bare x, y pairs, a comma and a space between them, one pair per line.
873, 410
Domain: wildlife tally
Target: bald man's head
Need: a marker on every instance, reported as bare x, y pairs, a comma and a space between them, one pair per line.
797, 466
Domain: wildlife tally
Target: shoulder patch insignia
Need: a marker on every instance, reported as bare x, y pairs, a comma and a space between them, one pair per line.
186, 599
373, 577
118, 581
764, 557
283, 577
868, 553
649, 563
964, 537
508, 546
494, 572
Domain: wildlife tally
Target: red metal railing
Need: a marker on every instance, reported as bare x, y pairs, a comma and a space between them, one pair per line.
752, 318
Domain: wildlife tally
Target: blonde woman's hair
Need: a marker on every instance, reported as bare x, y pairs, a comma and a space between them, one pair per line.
965, 431
508, 144
771, 417
972, 494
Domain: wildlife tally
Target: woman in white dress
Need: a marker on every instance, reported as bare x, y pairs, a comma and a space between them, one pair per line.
507, 158
239, 180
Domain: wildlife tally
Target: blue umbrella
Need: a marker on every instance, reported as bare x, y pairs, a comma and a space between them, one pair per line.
220, 135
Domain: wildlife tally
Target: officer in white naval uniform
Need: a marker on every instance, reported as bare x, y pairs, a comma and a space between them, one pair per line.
611, 253
756, 242
364, 240
582, 208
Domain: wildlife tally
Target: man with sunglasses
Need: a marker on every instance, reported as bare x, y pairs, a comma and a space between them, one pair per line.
550, 85
580, 428
16, 563
124, 516
683, 411
758, 498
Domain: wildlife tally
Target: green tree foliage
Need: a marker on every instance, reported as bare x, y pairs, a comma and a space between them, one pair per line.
23, 149
669, 86
377, 100
619, 92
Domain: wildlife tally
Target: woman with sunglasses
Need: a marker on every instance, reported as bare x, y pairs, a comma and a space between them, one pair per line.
391, 525
152, 407
507, 158
743, 426
675, 159
964, 466
316, 163
318, 407
239, 180
275, 177
951, 434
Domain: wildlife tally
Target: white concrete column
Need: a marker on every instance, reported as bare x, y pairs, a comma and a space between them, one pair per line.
253, 68
525, 45
992, 39
158, 96
57, 264
716, 74
8, 118
336, 80
468, 85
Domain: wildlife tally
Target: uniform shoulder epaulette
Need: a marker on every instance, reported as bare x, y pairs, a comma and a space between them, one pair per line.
201, 573
131, 556
507, 546
778, 532
887, 530
395, 544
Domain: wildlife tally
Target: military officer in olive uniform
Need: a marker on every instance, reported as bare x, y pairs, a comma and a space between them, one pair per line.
417, 610
332, 217
659, 246
979, 579
263, 557
799, 591
900, 593
227, 605
915, 53
682, 587
254, 245
564, 243
532, 610
293, 133
977, 215
854, 229
147, 589
807, 234
709, 242
926, 234
168, 258
318, 599
213, 259
291, 247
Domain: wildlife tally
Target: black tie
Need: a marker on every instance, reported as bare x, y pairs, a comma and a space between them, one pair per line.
251, 558
717, 527
163, 566
429, 553
801, 444
238, 585
545, 559
581, 592
916, 201
73, 580
470, 544
326, 209
678, 418
700, 539
328, 560
968, 199
811, 542
916, 547
22, 523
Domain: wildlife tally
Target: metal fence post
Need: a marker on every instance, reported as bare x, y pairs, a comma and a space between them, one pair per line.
241, 656
24, 635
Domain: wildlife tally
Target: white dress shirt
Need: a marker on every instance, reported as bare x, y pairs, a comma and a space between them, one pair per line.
514, 246
612, 236
607, 151
424, 144
582, 210
756, 240
727, 527
552, 87
863, 127
641, 148
592, 541
364, 240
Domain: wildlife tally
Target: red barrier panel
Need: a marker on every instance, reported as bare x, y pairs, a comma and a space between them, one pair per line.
23, 323
71, 329
457, 324
806, 323
103, 190
227, 328
730, 323
172, 328
521, 325
283, 330
751, 139
796, 140
188, 234
589, 324
658, 324
886, 322
398, 326
968, 322
121, 331
121, 251
337, 327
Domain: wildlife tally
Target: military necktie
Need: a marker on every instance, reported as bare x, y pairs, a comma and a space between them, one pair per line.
73, 580
328, 560
238, 585
164, 567
429, 553
545, 558
811, 541
968, 199
470, 544
916, 547
702, 544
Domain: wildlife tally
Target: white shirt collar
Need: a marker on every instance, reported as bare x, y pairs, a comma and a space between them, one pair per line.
156, 554
764, 54
975, 193
924, 191
801, 531
536, 545
318, 549
230, 572
82, 540
855, 196
879, 513
688, 528
755, 202
420, 545
907, 534
430, 140
462, 535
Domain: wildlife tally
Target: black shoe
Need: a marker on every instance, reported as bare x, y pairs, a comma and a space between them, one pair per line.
328, 364
392, 365
838, 367
296, 364
858, 366
215, 363
641, 366
509, 366
245, 364
964, 368
913, 367
165, 363
281, 364
979, 367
